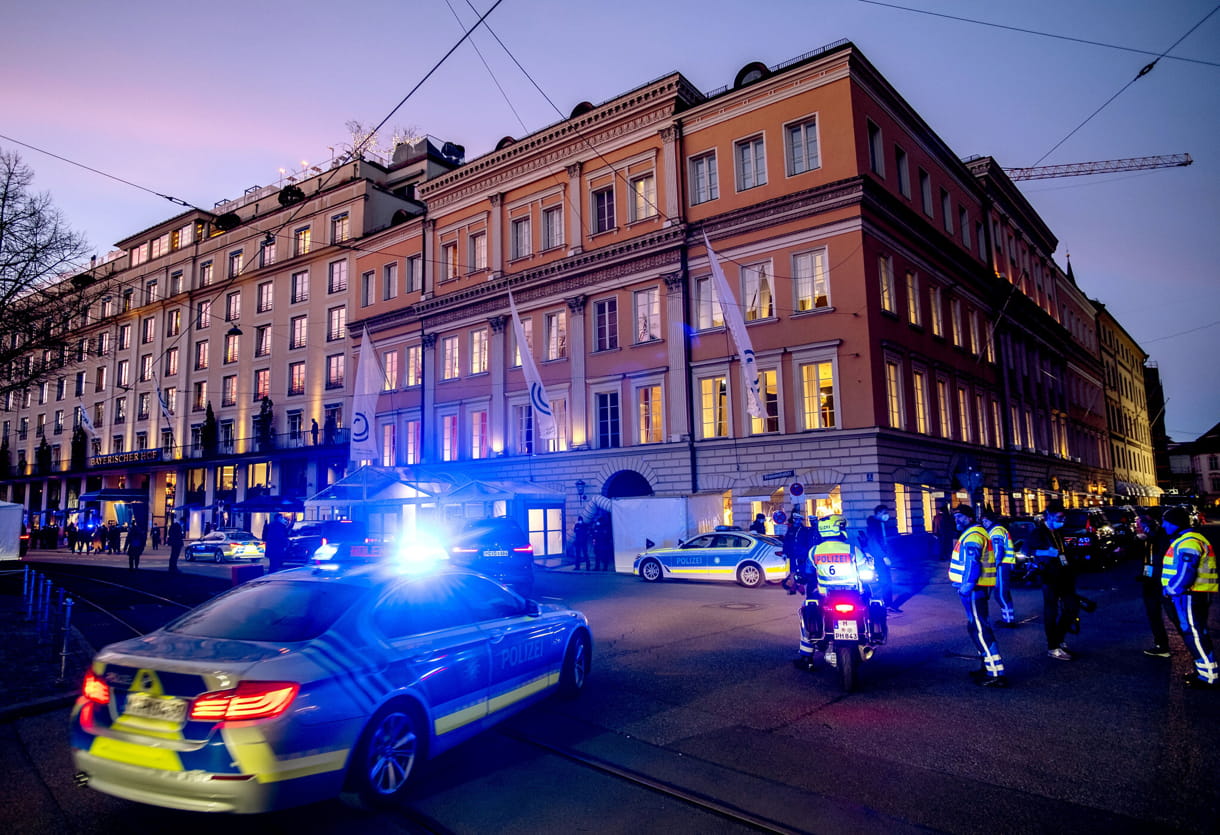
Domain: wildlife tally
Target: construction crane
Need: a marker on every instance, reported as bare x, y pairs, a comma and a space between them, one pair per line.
1109, 166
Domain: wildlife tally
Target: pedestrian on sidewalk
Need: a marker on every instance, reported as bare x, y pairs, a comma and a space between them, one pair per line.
580, 546
174, 538
154, 533
136, 540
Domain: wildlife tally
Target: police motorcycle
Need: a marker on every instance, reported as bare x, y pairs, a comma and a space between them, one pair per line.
843, 620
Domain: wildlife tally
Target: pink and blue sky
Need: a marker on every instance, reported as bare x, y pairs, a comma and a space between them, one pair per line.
203, 101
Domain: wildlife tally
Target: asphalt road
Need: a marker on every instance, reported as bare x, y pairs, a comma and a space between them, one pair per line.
694, 714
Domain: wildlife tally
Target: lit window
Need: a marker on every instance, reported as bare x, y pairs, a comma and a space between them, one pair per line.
478, 351
451, 357
555, 333
647, 315
759, 298
818, 396
335, 366
714, 407
885, 278
643, 197
810, 281
301, 241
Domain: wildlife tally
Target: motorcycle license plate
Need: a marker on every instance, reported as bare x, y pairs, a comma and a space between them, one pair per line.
846, 630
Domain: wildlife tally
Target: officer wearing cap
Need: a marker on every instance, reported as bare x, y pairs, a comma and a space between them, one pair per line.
1005, 559
1189, 577
972, 572
798, 540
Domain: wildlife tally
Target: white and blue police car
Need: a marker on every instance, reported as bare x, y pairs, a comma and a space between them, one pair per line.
315, 682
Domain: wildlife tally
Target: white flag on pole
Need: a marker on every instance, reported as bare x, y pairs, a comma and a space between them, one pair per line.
544, 418
736, 324
169, 419
86, 423
363, 446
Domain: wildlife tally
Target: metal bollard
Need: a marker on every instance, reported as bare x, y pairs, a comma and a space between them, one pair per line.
63, 652
29, 595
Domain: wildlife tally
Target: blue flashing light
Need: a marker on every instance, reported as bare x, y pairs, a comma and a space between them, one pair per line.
420, 554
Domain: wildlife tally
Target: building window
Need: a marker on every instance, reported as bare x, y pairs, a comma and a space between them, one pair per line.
944, 407
963, 223
605, 324
148, 330
885, 279
904, 172
296, 378
559, 409
650, 415
759, 298
955, 313
232, 307
975, 341
925, 192
124, 337
893, 395
810, 282
647, 315
520, 243
449, 437
236, 262
478, 251
714, 407
552, 227
937, 307
480, 446
228, 391
412, 441
264, 297
768, 387
266, 253
337, 277
913, 307
171, 362
818, 395
389, 281
703, 181
262, 341
451, 358
946, 211
643, 197
603, 209
478, 351
750, 155
555, 334
301, 241
449, 262
336, 323
389, 370
232, 348
138, 255
173, 322
920, 382
876, 156
609, 429
146, 368
801, 141
199, 396
299, 326
262, 384
415, 274
201, 355
523, 430
340, 228
963, 415
175, 283
300, 287
335, 367
415, 365
708, 313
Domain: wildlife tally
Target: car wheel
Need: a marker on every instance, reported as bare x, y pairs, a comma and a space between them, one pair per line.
388, 756
190, 556
650, 570
218, 555
576, 663
750, 575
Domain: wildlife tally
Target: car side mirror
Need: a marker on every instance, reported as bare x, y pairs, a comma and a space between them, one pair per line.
532, 609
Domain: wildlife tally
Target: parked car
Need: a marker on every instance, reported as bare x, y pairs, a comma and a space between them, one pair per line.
1020, 531
1122, 522
303, 684
499, 548
305, 538
225, 544
750, 559
1089, 538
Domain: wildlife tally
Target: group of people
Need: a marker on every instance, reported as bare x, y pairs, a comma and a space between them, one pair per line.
591, 545
1179, 578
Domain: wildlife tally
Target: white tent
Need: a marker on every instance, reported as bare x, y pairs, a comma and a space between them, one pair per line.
10, 530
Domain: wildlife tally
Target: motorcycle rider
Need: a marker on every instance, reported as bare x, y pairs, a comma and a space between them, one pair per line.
1190, 579
833, 563
972, 572
1006, 558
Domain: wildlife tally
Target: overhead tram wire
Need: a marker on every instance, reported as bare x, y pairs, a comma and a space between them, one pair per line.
1143, 72
1038, 33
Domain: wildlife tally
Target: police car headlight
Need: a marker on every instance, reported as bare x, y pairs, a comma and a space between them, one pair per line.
868, 575
325, 551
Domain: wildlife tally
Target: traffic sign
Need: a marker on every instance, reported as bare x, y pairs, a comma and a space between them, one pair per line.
796, 488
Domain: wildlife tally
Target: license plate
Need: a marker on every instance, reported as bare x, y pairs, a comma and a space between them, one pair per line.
495, 553
155, 707
846, 630
1083, 540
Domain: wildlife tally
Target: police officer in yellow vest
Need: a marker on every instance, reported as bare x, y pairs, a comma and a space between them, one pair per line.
972, 572
1006, 558
833, 563
1189, 578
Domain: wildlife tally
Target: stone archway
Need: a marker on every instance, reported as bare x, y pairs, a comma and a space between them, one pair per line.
626, 483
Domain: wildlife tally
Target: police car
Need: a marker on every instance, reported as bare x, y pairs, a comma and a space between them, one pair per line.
315, 682
725, 554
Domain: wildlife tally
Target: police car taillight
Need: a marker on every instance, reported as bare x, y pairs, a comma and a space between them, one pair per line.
94, 689
249, 700
524, 549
